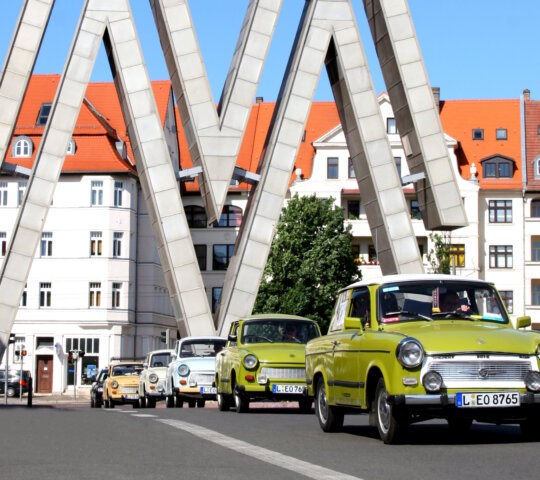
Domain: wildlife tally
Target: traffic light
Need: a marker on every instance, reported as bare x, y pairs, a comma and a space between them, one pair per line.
23, 352
166, 336
81, 353
11, 338
70, 356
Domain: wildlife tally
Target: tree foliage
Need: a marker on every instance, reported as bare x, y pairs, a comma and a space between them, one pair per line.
439, 255
310, 260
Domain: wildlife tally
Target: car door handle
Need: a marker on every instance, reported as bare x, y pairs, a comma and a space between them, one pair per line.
335, 343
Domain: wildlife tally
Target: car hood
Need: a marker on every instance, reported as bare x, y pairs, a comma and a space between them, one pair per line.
161, 372
467, 336
277, 352
199, 363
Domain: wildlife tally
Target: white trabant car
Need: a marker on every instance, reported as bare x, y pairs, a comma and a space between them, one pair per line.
152, 379
190, 377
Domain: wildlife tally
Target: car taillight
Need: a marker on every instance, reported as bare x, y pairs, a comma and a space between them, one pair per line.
23, 383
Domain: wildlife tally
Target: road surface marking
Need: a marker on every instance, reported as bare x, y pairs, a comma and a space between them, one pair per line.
269, 456
144, 415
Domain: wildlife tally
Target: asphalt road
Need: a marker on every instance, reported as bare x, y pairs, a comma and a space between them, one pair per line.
76, 442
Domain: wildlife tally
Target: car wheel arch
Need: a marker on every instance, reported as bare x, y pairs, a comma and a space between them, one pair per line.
373, 376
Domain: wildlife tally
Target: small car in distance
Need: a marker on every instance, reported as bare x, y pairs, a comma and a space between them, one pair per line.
16, 383
265, 360
153, 377
122, 384
408, 348
96, 391
190, 376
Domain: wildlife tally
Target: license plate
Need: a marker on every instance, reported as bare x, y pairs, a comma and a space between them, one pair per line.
209, 390
131, 396
296, 389
491, 399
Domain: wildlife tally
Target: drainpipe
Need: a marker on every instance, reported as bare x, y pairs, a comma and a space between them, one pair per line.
137, 189
525, 96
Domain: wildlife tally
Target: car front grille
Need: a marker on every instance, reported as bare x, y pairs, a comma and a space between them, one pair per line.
481, 370
202, 379
128, 390
294, 373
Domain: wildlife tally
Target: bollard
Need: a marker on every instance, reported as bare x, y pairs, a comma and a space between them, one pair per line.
30, 389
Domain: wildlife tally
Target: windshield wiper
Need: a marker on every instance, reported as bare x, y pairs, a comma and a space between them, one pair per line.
410, 313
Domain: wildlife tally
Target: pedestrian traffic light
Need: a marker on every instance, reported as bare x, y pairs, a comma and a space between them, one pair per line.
70, 356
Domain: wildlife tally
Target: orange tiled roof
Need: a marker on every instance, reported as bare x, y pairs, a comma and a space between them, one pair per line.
460, 117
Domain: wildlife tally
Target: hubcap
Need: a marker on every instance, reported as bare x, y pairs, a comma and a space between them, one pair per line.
383, 411
323, 405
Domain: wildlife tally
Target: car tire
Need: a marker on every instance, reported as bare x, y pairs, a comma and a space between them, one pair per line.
111, 403
241, 403
10, 392
142, 401
201, 402
170, 401
150, 402
530, 428
223, 403
191, 403
92, 402
389, 419
305, 404
179, 402
106, 404
136, 404
330, 417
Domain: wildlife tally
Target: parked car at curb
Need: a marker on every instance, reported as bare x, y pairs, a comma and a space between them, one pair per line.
407, 348
190, 376
122, 384
16, 383
96, 391
265, 360
153, 377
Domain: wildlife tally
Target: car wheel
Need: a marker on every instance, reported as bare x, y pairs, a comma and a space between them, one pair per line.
179, 402
223, 404
136, 404
191, 403
330, 417
92, 402
530, 428
10, 392
170, 401
459, 426
241, 403
111, 403
201, 403
305, 404
106, 403
142, 401
390, 423
151, 402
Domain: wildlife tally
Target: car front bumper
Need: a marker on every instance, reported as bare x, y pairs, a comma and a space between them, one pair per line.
444, 399
264, 392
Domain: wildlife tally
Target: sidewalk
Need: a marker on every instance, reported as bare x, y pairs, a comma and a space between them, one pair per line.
83, 399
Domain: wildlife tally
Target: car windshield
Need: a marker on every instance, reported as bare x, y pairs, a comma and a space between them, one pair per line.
102, 376
278, 331
201, 348
439, 300
126, 370
160, 359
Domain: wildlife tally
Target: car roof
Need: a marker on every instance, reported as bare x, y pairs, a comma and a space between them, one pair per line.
165, 350
410, 277
276, 316
126, 362
201, 337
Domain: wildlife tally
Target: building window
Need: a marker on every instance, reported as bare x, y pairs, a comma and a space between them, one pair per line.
535, 292
332, 167
3, 244
117, 244
535, 209
118, 189
95, 244
478, 134
351, 169
71, 147
536, 164
200, 250
196, 216
497, 167
356, 253
397, 161
89, 364
353, 209
22, 189
45, 294
416, 214
97, 193
500, 211
22, 147
216, 295
500, 256
116, 291
535, 249
95, 294
222, 256
3, 194
43, 114
46, 244
508, 299
24, 297
372, 253
501, 134
230, 217
391, 127
457, 255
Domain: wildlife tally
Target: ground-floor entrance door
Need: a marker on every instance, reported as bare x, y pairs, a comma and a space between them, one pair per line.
44, 377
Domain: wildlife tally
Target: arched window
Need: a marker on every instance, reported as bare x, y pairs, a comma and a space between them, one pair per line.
71, 147
230, 217
535, 208
196, 216
22, 147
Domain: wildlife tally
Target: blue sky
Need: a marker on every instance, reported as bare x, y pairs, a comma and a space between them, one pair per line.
472, 48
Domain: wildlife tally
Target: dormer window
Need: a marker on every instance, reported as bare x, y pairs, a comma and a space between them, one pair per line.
478, 134
43, 114
497, 167
22, 147
71, 147
501, 134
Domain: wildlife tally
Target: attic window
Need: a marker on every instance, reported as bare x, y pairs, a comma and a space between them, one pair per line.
43, 114
22, 147
71, 148
478, 134
497, 167
501, 134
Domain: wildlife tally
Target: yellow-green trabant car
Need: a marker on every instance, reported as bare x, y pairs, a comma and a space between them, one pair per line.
122, 384
407, 348
264, 359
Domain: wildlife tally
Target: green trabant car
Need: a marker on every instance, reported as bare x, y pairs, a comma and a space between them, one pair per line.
264, 359
407, 348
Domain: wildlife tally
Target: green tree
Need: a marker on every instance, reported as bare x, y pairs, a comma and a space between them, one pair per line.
439, 255
310, 260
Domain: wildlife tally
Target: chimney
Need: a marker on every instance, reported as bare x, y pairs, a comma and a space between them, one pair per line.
527, 95
436, 96
259, 99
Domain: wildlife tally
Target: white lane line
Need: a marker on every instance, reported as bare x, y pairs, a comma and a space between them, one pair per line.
144, 415
269, 456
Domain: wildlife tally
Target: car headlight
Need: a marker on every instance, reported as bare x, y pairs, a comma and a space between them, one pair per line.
153, 378
114, 384
532, 381
432, 381
250, 361
410, 353
183, 370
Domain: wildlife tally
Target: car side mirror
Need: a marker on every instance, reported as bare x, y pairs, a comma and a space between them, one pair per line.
523, 322
352, 323
232, 338
145, 365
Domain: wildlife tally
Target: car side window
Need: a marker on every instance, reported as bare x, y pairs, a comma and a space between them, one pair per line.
360, 305
339, 311
233, 332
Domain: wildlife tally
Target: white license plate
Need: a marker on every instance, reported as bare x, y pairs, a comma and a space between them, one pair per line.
491, 399
209, 390
131, 396
296, 389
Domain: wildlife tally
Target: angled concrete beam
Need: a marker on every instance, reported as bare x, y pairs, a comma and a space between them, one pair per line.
417, 117
214, 137
19, 64
328, 32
